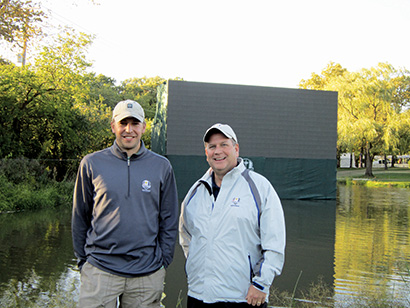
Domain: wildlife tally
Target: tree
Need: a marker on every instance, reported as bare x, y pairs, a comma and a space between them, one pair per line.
46, 112
321, 82
369, 101
17, 17
398, 134
20, 21
401, 91
144, 91
103, 89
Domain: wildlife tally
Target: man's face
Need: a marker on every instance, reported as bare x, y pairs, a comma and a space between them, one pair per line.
128, 134
221, 154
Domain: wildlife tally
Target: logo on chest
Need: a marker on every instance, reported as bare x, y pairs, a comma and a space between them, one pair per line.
146, 186
235, 202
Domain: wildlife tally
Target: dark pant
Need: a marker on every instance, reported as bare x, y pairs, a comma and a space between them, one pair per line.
195, 303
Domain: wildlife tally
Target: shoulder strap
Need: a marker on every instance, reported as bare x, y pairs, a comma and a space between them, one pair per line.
254, 190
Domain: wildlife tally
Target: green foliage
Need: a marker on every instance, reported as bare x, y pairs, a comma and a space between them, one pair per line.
397, 137
19, 18
25, 185
53, 113
23, 170
103, 90
24, 196
45, 108
320, 82
146, 137
372, 118
144, 91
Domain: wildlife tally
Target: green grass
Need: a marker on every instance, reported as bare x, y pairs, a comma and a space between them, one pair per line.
393, 177
320, 294
24, 196
27, 185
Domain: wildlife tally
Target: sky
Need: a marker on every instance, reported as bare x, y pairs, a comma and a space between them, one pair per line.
259, 42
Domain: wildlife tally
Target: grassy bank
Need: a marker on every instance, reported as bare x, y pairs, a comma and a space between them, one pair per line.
392, 177
24, 196
320, 294
27, 185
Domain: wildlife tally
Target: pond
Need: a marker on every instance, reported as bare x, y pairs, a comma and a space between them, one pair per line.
357, 244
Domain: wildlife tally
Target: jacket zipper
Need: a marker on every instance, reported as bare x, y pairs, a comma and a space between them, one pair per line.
128, 162
250, 268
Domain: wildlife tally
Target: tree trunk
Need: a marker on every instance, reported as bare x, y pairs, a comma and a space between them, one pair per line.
385, 162
361, 159
369, 158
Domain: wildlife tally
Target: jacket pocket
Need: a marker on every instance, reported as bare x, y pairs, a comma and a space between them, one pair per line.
251, 274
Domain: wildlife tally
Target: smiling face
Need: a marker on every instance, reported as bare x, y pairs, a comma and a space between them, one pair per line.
128, 134
221, 154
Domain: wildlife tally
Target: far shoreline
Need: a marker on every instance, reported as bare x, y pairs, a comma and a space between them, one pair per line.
392, 177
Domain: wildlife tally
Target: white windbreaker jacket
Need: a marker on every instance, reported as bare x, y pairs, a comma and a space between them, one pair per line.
232, 242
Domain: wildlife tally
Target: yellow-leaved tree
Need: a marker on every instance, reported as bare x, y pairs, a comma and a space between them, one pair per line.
372, 108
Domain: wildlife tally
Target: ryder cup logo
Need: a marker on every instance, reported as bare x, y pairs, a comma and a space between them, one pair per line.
235, 202
146, 186
248, 163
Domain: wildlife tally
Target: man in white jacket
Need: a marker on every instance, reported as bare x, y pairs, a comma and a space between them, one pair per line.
232, 229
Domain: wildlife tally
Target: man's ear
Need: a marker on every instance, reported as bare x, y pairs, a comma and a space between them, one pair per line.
112, 126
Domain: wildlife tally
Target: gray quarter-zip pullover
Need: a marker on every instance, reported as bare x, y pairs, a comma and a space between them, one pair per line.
125, 212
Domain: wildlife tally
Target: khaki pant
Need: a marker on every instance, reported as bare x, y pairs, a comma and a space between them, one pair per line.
102, 289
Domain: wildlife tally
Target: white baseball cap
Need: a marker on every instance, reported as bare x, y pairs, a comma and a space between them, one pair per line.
126, 109
221, 128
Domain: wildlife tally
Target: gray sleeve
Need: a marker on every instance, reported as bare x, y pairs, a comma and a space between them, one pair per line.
168, 220
273, 239
82, 211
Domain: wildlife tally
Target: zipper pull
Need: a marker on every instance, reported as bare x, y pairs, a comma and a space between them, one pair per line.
128, 161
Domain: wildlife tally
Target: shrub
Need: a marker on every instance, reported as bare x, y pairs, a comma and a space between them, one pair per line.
23, 170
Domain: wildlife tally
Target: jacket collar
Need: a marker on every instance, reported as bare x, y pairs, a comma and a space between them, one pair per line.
240, 167
116, 151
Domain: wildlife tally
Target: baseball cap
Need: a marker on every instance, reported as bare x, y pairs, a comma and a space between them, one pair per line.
128, 108
221, 128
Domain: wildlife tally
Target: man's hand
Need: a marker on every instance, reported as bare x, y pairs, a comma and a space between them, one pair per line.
255, 297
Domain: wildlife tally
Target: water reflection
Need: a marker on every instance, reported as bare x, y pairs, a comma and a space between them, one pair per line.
36, 260
310, 232
360, 241
372, 251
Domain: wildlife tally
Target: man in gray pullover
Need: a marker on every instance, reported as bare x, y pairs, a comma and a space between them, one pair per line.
125, 216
